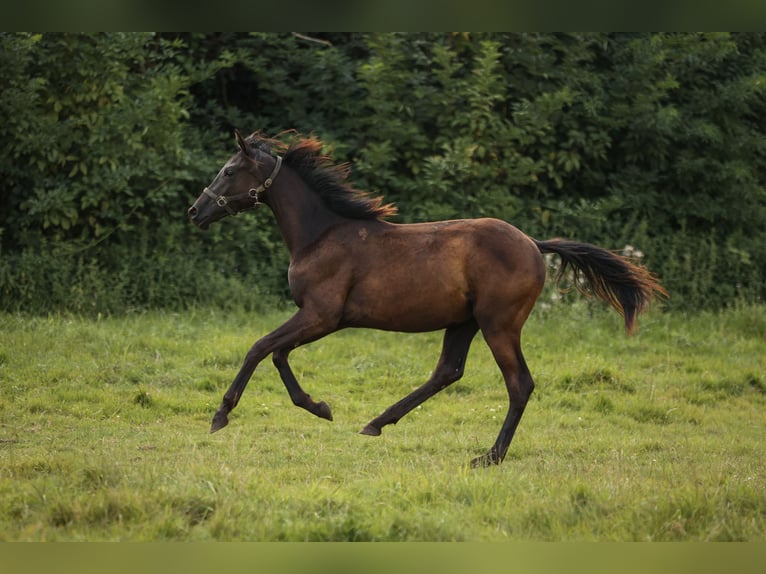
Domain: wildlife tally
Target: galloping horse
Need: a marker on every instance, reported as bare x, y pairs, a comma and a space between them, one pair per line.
349, 267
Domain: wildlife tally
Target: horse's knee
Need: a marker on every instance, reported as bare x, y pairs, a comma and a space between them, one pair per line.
279, 358
448, 374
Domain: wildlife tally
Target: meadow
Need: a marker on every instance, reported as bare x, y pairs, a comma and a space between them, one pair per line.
657, 437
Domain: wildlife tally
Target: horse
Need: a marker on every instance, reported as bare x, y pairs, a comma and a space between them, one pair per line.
350, 267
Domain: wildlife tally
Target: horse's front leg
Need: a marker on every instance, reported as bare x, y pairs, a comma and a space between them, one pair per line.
301, 328
299, 397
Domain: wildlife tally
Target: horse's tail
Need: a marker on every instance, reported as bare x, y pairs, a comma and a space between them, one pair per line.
613, 278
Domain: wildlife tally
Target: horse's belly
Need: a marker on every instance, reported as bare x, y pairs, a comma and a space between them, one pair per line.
413, 303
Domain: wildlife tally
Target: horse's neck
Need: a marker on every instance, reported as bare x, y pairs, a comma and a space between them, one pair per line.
301, 215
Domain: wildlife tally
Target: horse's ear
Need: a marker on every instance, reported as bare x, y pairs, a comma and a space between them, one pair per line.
242, 143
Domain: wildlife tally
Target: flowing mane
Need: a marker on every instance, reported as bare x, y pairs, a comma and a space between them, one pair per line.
328, 179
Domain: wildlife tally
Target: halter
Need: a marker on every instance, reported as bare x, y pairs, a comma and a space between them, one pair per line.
252, 193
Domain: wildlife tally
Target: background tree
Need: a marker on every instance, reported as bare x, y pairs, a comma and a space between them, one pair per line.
649, 140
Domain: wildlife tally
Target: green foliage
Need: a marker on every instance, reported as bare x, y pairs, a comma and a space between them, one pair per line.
99, 143
99, 163
649, 140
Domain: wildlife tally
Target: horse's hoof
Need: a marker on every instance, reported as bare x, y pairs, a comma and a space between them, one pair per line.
323, 411
370, 430
220, 420
485, 460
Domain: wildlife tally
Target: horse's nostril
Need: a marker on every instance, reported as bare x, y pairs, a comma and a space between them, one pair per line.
192, 212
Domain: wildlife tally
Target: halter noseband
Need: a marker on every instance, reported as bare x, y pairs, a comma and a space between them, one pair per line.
252, 193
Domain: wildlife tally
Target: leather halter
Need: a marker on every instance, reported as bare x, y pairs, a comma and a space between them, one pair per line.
253, 193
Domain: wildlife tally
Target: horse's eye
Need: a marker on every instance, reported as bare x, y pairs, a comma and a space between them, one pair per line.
229, 171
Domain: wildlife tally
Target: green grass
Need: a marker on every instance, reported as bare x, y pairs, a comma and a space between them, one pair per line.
104, 433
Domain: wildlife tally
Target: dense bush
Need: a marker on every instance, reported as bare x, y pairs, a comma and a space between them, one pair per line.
649, 140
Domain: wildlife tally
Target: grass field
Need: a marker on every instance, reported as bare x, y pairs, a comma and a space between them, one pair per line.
104, 433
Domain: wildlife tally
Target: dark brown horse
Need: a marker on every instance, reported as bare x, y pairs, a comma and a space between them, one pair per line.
351, 268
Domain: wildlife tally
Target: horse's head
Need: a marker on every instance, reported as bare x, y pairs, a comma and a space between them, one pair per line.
239, 184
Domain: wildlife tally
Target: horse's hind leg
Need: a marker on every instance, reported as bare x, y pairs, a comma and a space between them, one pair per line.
506, 348
299, 397
457, 341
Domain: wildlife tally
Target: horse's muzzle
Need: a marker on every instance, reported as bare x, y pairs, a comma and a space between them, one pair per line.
194, 217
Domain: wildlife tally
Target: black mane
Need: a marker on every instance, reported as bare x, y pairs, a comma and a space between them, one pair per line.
328, 179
